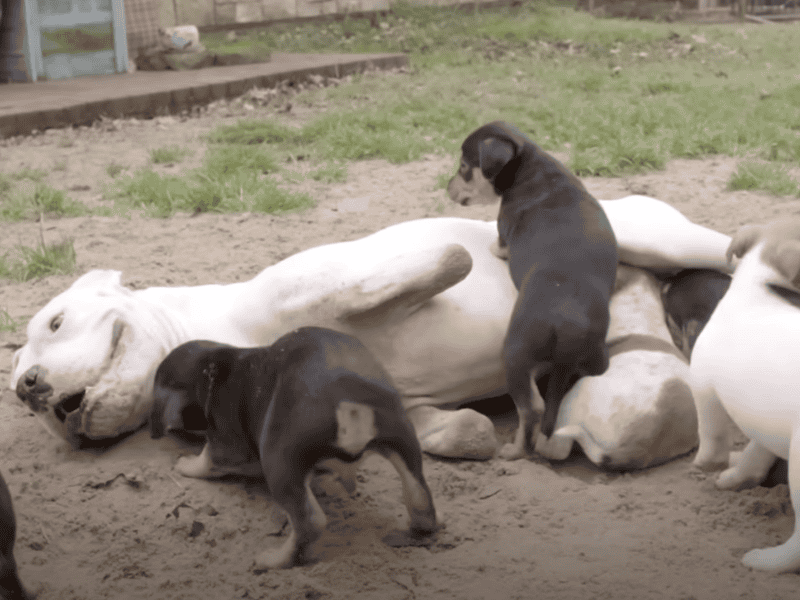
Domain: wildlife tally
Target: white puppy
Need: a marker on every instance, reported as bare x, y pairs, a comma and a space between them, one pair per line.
427, 297
745, 367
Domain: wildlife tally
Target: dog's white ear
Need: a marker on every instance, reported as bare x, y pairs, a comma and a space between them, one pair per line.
743, 241
785, 257
494, 154
99, 278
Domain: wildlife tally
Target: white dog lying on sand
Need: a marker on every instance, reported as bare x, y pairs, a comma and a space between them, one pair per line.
426, 296
745, 368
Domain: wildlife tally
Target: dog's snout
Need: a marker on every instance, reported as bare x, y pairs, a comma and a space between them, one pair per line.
30, 378
32, 381
32, 388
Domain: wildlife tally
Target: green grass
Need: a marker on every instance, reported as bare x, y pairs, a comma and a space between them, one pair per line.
248, 132
222, 159
618, 96
169, 154
7, 322
772, 178
206, 190
31, 263
113, 169
27, 202
626, 96
330, 173
29, 173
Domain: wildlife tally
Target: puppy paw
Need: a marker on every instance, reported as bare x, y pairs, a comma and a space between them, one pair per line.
511, 452
710, 463
734, 479
778, 560
193, 466
280, 558
499, 251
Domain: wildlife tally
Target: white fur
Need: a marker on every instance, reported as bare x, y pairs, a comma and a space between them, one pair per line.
745, 368
434, 315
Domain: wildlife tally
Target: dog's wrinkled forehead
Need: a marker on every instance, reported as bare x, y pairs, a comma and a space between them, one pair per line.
496, 130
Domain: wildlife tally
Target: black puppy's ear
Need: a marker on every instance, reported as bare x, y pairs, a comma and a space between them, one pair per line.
494, 154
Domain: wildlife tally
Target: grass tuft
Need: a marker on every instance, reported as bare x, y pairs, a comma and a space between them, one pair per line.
169, 154
113, 169
771, 178
7, 322
250, 131
44, 260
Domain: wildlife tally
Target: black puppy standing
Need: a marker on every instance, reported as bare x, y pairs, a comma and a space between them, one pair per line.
562, 256
11, 587
313, 395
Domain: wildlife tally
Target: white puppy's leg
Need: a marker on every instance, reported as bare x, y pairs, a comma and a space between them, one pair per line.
196, 466
785, 557
748, 469
462, 433
713, 428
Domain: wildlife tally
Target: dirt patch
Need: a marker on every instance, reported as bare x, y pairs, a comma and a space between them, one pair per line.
123, 524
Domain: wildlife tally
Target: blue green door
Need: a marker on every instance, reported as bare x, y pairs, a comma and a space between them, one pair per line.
78, 37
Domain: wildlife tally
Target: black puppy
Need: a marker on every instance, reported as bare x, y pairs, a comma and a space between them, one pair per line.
690, 297
11, 587
562, 256
312, 396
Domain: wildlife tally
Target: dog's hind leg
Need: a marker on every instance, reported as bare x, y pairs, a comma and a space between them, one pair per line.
747, 470
530, 406
416, 495
785, 557
399, 445
306, 517
713, 429
558, 385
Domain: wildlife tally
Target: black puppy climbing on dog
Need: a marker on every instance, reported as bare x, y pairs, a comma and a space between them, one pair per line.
562, 255
312, 396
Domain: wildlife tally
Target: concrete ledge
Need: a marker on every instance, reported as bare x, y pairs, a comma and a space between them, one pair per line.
82, 100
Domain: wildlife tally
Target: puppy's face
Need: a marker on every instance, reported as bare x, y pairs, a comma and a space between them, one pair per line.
487, 164
182, 387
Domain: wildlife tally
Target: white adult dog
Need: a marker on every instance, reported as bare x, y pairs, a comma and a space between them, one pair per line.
745, 367
426, 296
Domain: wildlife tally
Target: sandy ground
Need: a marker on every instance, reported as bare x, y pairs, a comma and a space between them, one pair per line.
121, 523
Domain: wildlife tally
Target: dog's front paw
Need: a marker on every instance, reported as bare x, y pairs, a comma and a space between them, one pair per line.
734, 479
499, 251
511, 452
779, 559
710, 461
195, 466
280, 558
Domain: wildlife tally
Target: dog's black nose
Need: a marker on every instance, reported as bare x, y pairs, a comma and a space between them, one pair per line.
33, 390
32, 382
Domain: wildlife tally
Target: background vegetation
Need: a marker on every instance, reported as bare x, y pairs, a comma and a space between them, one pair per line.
617, 96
